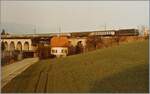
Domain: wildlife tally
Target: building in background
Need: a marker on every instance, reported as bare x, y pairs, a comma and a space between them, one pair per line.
59, 46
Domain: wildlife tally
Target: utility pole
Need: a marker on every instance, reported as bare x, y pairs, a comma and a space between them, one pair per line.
59, 31
105, 26
34, 29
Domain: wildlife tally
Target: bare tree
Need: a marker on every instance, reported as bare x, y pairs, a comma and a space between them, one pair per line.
2, 46
3, 32
79, 47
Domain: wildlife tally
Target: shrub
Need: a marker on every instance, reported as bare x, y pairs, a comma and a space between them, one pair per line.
44, 52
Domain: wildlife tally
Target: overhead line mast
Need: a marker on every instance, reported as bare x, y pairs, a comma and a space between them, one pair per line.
59, 30
34, 29
105, 26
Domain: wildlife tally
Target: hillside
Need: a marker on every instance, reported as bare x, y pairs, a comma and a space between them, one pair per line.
117, 69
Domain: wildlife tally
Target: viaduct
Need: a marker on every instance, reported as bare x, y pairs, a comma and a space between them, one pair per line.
30, 42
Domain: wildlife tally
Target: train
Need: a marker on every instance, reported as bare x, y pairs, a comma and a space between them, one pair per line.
127, 32
121, 32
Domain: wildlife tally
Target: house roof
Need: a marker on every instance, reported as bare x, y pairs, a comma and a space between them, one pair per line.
59, 41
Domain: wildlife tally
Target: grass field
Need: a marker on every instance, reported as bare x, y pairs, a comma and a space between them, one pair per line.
118, 69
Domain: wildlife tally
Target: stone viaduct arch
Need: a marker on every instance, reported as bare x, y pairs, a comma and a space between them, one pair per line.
12, 46
74, 41
17, 44
6, 45
26, 46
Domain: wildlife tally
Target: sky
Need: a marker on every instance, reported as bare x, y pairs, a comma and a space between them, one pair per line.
27, 17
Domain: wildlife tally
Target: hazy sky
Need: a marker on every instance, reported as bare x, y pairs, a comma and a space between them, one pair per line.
48, 16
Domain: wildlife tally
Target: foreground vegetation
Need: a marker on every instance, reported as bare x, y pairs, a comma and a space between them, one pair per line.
116, 69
